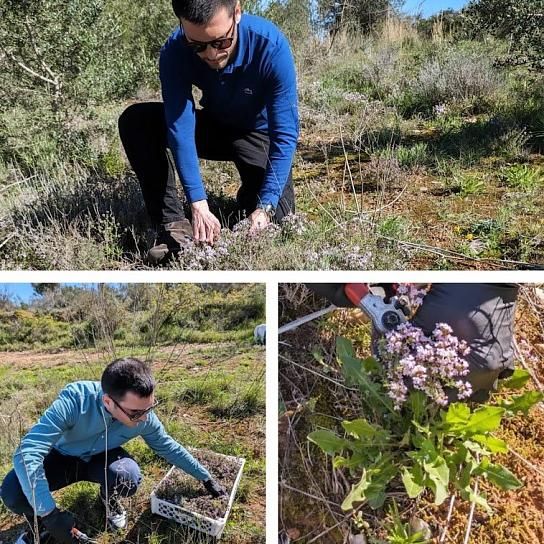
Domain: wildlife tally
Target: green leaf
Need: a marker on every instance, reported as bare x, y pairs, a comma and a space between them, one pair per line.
523, 403
457, 456
418, 404
383, 471
440, 491
494, 445
355, 374
375, 495
371, 365
518, 379
500, 475
475, 447
463, 481
317, 353
360, 457
411, 482
457, 417
357, 493
439, 474
484, 419
362, 429
479, 500
328, 441
344, 347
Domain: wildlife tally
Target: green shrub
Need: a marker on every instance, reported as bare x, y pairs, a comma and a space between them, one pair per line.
522, 177
414, 155
22, 329
469, 184
518, 22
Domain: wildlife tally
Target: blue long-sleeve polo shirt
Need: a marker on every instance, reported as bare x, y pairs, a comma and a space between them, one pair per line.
78, 424
255, 91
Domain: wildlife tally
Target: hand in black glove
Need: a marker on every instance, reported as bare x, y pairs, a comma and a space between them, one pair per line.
60, 525
333, 292
213, 488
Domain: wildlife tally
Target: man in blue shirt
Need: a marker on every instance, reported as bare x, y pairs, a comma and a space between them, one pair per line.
80, 435
245, 70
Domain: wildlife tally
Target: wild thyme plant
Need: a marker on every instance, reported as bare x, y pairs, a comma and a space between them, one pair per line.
430, 364
419, 445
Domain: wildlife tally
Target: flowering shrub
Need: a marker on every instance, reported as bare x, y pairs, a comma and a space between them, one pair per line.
238, 247
197, 256
430, 364
424, 446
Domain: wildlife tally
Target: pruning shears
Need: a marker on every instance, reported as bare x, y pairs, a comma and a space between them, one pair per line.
385, 316
82, 537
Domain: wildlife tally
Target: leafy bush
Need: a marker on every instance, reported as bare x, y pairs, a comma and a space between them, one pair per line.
522, 177
518, 22
22, 329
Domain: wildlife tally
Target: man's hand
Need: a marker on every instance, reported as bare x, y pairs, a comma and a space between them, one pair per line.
259, 220
213, 488
60, 525
206, 226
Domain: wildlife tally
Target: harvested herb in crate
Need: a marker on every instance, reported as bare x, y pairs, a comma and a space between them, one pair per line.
184, 499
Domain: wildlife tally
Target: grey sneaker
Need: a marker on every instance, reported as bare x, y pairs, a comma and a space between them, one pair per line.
171, 237
115, 513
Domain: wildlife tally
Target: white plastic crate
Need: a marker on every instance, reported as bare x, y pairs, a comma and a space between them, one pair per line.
199, 522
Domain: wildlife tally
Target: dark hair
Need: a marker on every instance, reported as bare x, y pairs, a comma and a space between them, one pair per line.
200, 12
128, 374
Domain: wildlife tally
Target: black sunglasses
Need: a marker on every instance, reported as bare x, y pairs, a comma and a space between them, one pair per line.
136, 414
220, 43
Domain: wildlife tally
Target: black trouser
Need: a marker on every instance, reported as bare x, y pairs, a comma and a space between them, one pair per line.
142, 128
122, 477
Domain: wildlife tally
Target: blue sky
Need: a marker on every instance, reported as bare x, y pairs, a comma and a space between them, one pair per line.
430, 7
24, 292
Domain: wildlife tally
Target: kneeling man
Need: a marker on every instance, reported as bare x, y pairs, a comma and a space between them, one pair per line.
79, 437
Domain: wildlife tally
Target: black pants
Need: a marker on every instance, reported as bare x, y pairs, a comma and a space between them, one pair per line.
122, 477
142, 128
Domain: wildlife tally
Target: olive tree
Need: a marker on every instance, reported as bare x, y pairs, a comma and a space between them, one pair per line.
520, 23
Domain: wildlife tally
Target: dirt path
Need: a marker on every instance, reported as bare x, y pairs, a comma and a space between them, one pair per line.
54, 358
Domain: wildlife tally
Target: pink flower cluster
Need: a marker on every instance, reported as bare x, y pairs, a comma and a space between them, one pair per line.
429, 364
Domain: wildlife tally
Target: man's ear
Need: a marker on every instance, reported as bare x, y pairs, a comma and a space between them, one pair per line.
238, 13
107, 400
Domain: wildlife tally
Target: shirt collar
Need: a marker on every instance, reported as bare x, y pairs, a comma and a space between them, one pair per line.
102, 409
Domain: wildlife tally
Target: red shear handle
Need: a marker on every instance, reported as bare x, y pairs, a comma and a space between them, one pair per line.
356, 291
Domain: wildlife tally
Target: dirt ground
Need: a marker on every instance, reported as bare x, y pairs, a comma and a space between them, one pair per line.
27, 359
312, 394
440, 219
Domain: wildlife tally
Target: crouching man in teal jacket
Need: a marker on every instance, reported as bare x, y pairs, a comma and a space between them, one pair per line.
79, 435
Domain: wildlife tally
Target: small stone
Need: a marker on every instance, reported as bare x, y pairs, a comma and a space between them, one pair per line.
357, 539
417, 525
477, 246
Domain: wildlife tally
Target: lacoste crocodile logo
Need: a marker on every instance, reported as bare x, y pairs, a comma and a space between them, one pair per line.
248, 91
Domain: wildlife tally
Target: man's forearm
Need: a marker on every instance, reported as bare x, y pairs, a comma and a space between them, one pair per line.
31, 475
